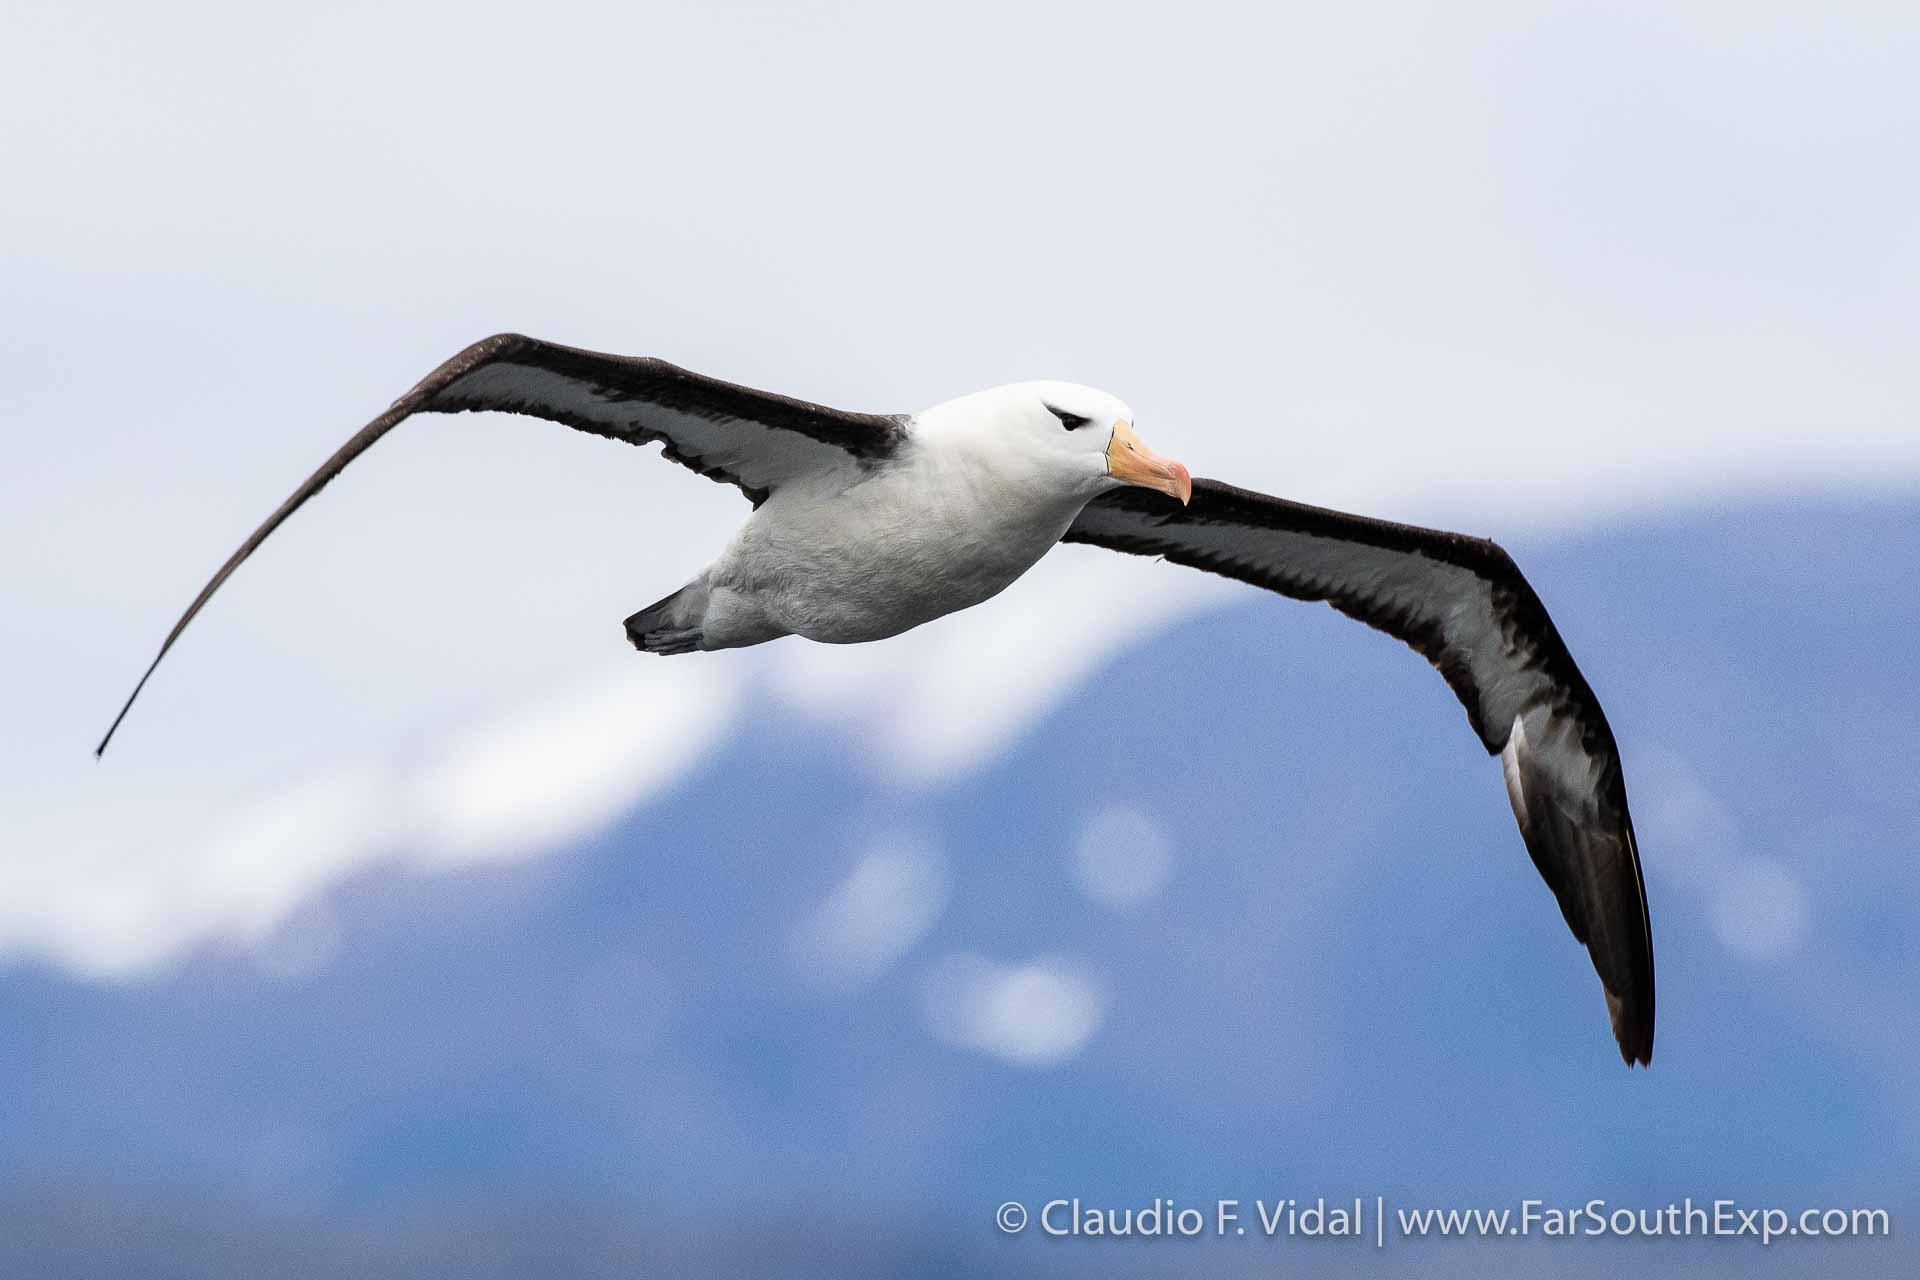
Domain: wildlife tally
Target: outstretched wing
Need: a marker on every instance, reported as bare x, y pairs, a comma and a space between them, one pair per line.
752, 439
1463, 604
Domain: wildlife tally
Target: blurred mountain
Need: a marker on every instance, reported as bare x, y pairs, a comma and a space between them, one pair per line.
1247, 917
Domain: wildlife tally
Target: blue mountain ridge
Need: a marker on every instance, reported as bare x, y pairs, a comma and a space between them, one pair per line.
1354, 983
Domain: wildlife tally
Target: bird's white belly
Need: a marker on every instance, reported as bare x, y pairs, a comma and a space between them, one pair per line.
884, 555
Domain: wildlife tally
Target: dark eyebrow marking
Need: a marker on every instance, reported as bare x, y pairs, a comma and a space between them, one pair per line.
1070, 421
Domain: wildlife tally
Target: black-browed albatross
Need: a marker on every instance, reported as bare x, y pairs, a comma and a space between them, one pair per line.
865, 525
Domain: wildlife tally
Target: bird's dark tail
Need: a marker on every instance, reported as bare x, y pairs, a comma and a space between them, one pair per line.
671, 625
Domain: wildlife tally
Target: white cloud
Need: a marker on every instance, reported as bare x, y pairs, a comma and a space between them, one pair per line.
569, 763
1695, 829
1123, 856
1032, 1015
1759, 910
943, 699
893, 895
110, 901
262, 860
1756, 907
1258, 284
117, 902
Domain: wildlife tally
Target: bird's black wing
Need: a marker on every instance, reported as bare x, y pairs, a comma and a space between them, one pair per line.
752, 439
1463, 604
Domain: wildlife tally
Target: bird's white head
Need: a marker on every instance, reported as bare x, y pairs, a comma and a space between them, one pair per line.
1073, 437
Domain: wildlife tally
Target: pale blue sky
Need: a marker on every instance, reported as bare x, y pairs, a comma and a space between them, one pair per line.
409, 890
1521, 269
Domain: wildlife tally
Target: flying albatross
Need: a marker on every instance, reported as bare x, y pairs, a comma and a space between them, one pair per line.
866, 525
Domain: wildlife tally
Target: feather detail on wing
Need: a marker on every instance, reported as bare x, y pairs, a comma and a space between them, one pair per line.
755, 440
1463, 604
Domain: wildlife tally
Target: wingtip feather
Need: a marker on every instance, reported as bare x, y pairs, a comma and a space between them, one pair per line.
1632, 1030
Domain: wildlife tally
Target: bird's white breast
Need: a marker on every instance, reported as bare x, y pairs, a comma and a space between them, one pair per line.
861, 555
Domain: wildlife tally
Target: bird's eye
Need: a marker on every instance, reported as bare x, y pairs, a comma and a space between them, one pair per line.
1068, 420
